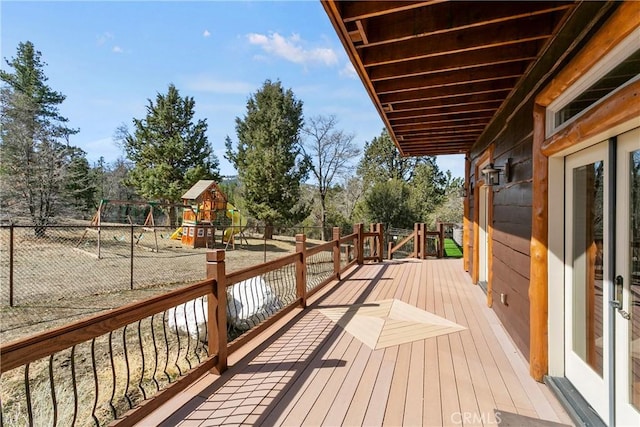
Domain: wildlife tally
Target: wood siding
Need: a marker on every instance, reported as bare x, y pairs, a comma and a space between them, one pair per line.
511, 136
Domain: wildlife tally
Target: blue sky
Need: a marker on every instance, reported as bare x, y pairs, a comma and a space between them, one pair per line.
110, 57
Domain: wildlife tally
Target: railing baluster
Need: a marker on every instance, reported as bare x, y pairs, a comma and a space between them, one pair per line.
143, 368
95, 381
27, 390
195, 316
155, 354
54, 401
166, 346
175, 322
186, 324
126, 365
113, 377
74, 385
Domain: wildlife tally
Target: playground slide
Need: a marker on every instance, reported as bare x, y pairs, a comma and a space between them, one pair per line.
238, 223
177, 235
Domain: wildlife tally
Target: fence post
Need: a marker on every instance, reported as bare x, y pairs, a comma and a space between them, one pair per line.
11, 265
131, 263
441, 241
359, 247
301, 269
423, 240
217, 309
336, 252
380, 249
416, 240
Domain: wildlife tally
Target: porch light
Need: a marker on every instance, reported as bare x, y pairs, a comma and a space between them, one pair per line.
462, 191
492, 173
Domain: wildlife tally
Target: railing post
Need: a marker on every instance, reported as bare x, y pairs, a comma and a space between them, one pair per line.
389, 249
336, 252
131, 261
380, 249
423, 240
217, 309
416, 240
441, 241
359, 247
301, 269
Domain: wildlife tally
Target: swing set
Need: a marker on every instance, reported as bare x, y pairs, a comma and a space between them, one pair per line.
148, 226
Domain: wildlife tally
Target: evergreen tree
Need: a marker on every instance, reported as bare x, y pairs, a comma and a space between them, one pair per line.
35, 148
80, 186
382, 161
269, 158
169, 151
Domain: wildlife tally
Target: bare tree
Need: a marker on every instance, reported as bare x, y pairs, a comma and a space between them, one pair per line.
330, 150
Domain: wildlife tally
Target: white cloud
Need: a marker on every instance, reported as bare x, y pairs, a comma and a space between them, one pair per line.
203, 83
104, 37
348, 71
206, 33
117, 49
292, 49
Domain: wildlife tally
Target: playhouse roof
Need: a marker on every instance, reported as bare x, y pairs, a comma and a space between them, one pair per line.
198, 188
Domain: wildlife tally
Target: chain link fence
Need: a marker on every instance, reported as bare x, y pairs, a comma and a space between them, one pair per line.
79, 260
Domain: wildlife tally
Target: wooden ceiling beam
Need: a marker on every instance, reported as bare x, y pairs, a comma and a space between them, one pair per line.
453, 78
453, 16
495, 35
446, 102
396, 117
445, 116
355, 10
458, 128
502, 86
427, 124
448, 131
445, 63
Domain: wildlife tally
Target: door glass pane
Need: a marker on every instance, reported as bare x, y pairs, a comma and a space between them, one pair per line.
588, 256
634, 302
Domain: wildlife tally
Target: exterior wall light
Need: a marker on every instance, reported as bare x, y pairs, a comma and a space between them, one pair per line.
492, 173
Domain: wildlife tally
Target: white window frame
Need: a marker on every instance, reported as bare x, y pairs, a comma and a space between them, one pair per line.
607, 63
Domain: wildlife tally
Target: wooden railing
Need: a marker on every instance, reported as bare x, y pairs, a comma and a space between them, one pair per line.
420, 238
131, 358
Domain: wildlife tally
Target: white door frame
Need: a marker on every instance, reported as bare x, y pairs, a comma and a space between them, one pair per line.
556, 247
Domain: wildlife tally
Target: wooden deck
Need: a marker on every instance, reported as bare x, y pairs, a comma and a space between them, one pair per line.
307, 370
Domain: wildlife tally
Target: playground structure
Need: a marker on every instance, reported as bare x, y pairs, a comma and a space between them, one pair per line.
204, 203
204, 209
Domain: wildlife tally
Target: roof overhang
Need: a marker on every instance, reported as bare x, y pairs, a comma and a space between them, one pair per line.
439, 72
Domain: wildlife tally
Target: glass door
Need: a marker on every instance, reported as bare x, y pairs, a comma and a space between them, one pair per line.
627, 316
586, 296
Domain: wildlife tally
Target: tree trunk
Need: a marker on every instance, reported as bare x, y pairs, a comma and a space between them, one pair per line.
323, 217
173, 217
268, 231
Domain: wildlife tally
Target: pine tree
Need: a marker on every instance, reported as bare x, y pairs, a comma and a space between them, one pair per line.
35, 149
169, 151
269, 158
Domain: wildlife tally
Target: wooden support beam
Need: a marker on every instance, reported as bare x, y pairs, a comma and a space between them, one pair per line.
497, 86
448, 17
493, 35
452, 78
459, 61
217, 309
455, 101
355, 10
437, 110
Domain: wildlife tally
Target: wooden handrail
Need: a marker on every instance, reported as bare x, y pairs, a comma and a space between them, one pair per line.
27, 350
250, 272
348, 238
321, 248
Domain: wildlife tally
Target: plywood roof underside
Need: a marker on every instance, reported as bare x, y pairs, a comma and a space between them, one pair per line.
437, 71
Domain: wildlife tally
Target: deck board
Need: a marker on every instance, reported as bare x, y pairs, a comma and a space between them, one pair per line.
310, 371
